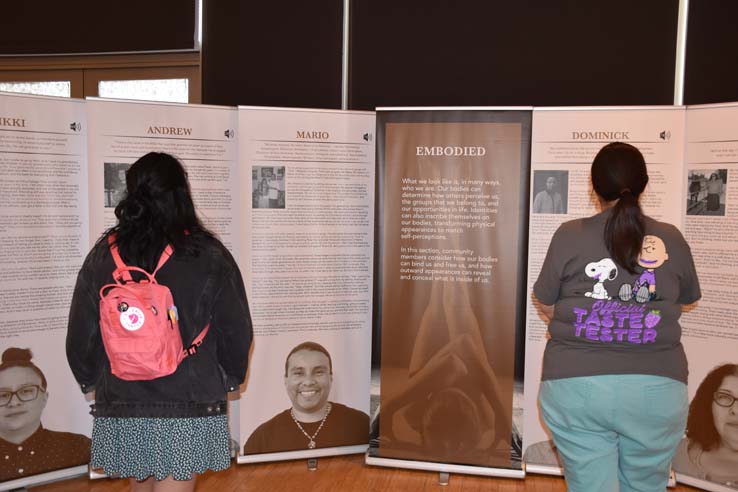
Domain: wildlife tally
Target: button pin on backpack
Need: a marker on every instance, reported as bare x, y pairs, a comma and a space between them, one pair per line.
132, 319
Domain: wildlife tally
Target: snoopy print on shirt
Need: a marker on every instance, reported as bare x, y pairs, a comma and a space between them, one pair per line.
628, 317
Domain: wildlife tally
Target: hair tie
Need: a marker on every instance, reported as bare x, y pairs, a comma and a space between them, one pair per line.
625, 191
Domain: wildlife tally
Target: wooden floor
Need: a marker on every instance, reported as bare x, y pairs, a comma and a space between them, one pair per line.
341, 473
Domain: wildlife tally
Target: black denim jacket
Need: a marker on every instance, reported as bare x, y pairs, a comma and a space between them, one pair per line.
205, 288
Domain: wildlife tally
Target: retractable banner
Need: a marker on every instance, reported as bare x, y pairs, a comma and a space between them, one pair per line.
691, 154
202, 137
307, 181
452, 223
565, 141
708, 456
44, 419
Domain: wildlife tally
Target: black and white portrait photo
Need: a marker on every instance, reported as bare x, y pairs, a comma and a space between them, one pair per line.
313, 420
550, 192
710, 450
706, 191
268, 186
28, 447
115, 182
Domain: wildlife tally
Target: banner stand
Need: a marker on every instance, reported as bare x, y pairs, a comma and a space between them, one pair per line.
445, 467
297, 455
307, 266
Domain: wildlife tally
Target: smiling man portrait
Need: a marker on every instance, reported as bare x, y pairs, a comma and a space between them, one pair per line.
313, 421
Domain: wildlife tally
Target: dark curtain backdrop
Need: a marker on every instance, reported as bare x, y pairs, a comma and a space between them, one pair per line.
409, 52
95, 26
711, 68
280, 53
498, 52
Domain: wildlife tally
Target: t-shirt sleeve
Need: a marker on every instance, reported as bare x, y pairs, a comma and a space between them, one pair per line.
689, 284
548, 285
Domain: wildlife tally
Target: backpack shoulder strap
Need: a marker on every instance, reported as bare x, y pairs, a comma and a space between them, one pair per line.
119, 265
122, 266
163, 258
192, 349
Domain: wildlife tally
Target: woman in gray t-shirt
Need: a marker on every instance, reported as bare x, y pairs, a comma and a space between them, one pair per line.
614, 391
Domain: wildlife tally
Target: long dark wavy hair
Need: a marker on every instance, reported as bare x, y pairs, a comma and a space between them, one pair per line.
157, 210
619, 172
700, 423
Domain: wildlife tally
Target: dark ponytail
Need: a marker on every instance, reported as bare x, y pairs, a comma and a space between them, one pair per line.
619, 173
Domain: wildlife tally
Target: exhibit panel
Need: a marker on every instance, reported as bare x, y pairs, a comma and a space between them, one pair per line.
44, 418
453, 203
564, 143
708, 456
307, 202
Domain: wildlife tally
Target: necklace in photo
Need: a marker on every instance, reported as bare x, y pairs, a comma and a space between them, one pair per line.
311, 439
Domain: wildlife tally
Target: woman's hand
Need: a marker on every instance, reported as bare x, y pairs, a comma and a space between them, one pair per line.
547, 312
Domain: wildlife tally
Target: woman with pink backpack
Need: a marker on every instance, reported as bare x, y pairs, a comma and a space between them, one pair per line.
160, 429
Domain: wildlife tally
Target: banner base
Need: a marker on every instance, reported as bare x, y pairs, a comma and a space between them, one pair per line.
702, 484
97, 474
297, 455
559, 472
544, 469
43, 478
444, 467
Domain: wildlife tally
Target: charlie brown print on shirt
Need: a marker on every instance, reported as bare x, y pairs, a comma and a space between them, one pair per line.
653, 255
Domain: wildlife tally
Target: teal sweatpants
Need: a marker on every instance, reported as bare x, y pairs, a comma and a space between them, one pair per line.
615, 432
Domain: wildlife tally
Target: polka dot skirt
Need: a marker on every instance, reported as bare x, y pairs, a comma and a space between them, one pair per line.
159, 447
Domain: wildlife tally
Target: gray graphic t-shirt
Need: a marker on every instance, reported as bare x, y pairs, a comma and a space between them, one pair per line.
607, 320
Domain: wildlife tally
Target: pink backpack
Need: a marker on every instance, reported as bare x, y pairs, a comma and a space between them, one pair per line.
139, 323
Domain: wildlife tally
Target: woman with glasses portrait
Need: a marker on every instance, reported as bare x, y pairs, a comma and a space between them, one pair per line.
710, 450
26, 448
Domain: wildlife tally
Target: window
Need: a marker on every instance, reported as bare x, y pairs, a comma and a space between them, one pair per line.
169, 90
60, 88
171, 77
